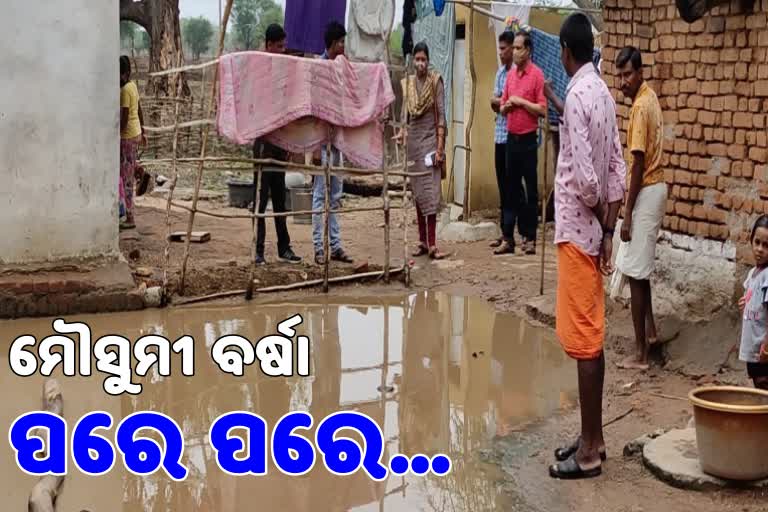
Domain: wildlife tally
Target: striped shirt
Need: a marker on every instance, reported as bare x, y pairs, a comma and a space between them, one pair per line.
500, 134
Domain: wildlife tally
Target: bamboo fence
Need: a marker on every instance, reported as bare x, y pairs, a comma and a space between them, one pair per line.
201, 116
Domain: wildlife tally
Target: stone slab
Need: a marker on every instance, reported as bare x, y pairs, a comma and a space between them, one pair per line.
674, 459
466, 232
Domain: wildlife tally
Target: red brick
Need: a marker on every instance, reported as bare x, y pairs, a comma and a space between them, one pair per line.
699, 212
741, 137
737, 203
697, 131
674, 223
683, 177
683, 227
736, 169
761, 87
737, 151
747, 206
688, 115
727, 87
707, 181
709, 134
716, 24
685, 193
41, 286
712, 89
761, 173
702, 229
762, 139
669, 175
717, 149
681, 145
747, 169
683, 209
759, 120
754, 105
725, 201
670, 88
717, 215
759, 155
727, 118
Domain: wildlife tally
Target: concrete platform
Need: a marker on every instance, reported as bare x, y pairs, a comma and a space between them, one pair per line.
674, 459
67, 289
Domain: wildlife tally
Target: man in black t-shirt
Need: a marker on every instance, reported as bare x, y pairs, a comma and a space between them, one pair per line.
272, 179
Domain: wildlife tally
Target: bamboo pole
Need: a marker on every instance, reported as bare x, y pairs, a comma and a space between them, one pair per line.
544, 203
288, 287
471, 120
406, 200
175, 179
272, 215
203, 147
254, 230
533, 6
384, 163
307, 169
327, 214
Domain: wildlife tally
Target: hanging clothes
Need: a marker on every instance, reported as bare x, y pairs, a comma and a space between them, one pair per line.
440, 35
409, 17
367, 30
546, 55
292, 102
439, 6
306, 21
521, 12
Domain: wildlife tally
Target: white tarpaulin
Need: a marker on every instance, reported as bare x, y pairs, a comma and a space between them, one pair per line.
521, 12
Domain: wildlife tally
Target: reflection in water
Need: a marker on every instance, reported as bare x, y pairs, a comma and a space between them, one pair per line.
440, 374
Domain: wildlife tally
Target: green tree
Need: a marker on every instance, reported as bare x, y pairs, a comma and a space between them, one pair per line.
251, 19
197, 33
127, 34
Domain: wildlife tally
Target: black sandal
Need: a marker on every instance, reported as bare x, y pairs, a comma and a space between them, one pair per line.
570, 470
565, 452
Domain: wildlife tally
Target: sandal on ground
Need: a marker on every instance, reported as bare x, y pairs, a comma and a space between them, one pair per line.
341, 256
496, 243
421, 251
435, 254
563, 453
570, 470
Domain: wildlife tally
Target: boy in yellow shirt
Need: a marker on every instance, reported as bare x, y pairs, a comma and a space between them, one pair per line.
131, 134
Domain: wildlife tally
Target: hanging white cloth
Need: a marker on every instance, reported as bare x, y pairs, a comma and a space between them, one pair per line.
505, 9
367, 29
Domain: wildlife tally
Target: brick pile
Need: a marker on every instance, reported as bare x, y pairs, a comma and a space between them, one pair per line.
711, 77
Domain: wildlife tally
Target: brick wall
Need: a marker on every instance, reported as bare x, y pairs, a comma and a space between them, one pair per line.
711, 77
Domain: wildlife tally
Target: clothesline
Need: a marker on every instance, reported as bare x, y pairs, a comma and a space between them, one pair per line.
533, 5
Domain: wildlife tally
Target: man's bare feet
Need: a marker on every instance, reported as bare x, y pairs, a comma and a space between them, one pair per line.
631, 363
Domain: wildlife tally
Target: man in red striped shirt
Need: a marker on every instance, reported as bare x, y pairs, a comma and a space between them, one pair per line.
523, 102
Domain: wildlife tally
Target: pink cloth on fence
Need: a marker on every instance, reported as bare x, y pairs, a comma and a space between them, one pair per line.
292, 102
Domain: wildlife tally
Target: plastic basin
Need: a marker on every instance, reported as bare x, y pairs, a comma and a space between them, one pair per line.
732, 431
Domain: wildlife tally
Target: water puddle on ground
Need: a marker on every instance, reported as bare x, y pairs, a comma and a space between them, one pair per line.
457, 374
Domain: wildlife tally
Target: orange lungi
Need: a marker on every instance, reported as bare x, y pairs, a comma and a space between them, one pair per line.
580, 309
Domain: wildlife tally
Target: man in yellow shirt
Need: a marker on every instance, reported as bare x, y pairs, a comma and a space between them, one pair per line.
131, 134
646, 201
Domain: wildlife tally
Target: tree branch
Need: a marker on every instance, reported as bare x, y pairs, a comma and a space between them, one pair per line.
596, 19
137, 12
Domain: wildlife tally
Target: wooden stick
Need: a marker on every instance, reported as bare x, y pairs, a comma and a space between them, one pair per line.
187, 124
669, 397
310, 169
272, 215
254, 230
327, 215
384, 166
190, 67
534, 6
544, 204
406, 200
203, 147
44, 493
317, 282
287, 287
619, 417
471, 120
167, 251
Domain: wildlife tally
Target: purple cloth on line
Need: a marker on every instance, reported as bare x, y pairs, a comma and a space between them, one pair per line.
306, 21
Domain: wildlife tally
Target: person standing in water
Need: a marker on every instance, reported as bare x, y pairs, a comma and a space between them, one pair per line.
754, 307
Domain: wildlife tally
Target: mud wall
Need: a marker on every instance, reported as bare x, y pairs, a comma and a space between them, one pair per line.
711, 77
59, 124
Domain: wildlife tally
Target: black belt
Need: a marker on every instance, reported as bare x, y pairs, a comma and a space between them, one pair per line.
528, 137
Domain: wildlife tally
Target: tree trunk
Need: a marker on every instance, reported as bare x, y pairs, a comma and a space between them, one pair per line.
160, 18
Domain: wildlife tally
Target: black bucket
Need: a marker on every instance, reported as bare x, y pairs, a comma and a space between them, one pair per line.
240, 193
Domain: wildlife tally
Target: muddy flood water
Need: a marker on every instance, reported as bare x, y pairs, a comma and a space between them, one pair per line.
455, 372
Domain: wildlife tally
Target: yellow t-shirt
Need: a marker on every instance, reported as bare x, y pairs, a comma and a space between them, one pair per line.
645, 134
129, 98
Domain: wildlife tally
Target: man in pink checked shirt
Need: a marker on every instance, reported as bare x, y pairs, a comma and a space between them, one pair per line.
589, 190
